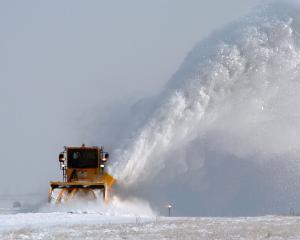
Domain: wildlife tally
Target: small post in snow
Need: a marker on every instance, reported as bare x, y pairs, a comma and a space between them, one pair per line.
169, 209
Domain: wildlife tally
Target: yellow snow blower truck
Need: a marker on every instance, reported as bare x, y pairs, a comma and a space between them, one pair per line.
84, 176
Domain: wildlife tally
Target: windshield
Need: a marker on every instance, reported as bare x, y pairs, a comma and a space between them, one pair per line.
82, 158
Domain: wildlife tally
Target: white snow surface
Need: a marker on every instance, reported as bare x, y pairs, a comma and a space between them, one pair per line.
97, 226
19, 221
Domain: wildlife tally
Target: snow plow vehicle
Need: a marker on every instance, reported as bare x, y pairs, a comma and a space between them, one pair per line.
84, 175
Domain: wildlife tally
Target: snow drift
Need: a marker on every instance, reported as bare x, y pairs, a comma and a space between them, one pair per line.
223, 138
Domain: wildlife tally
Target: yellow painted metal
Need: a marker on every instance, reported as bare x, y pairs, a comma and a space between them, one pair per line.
86, 180
108, 180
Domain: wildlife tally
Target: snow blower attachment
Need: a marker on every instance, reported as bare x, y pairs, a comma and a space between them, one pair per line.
84, 175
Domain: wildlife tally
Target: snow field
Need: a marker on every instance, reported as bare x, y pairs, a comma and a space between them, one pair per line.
94, 226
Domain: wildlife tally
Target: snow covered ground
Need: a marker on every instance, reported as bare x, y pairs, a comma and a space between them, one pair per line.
97, 226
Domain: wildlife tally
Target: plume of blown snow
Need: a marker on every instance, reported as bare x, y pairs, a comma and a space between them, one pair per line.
235, 97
